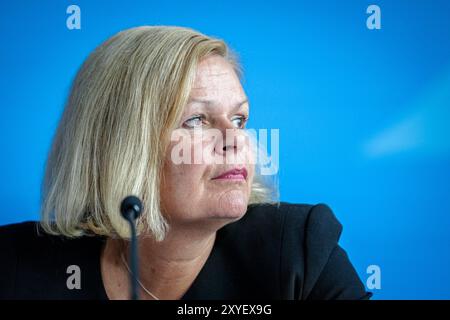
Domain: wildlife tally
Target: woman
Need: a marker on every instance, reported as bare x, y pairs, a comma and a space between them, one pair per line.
208, 230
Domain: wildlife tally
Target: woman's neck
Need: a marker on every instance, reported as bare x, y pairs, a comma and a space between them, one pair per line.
168, 268
175, 260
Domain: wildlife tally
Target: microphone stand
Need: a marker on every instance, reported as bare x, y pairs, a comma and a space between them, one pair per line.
131, 209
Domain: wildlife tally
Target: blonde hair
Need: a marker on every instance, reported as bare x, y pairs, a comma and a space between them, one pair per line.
111, 140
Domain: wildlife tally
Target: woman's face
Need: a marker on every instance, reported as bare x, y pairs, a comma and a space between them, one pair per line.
207, 174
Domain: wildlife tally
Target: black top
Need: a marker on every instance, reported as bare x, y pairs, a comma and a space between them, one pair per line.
285, 252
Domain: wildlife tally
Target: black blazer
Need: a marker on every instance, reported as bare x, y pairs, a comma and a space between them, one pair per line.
285, 252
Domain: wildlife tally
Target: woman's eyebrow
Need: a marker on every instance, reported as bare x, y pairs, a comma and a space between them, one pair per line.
211, 102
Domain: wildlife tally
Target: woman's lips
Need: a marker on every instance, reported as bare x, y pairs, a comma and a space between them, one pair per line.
233, 174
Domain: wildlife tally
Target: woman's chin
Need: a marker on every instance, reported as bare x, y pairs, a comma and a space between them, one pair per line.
231, 205
227, 216
227, 207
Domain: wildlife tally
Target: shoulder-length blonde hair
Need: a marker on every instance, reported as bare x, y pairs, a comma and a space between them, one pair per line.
111, 140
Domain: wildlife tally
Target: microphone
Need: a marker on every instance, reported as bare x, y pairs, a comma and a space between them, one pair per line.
131, 208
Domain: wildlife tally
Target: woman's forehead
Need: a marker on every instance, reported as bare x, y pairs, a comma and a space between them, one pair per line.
216, 86
215, 71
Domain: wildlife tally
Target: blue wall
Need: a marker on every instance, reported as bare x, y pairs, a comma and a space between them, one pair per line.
364, 115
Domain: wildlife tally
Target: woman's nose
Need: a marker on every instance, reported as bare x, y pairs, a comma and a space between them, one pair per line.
232, 140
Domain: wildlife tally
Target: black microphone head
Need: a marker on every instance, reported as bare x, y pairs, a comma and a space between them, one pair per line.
131, 206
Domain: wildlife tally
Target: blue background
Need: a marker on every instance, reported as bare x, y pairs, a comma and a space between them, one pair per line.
364, 115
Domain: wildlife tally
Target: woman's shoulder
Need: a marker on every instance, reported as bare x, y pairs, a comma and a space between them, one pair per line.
27, 228
300, 235
285, 218
20, 239
29, 235
294, 231
35, 263
299, 244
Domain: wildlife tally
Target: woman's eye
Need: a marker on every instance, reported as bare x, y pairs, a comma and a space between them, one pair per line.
194, 122
198, 121
239, 121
